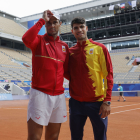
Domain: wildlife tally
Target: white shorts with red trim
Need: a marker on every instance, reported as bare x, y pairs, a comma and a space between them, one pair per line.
44, 108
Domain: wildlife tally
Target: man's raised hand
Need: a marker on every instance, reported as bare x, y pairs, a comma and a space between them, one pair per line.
47, 15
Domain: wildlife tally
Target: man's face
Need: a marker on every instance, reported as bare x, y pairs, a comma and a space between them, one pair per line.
52, 26
80, 31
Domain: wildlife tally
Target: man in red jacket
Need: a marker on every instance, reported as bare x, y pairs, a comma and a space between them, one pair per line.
91, 82
47, 106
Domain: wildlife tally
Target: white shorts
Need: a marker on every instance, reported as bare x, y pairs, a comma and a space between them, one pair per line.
44, 108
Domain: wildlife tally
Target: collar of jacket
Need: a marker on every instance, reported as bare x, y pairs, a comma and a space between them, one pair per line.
84, 43
51, 37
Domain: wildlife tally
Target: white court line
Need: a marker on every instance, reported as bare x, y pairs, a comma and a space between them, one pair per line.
68, 111
125, 105
13, 108
124, 111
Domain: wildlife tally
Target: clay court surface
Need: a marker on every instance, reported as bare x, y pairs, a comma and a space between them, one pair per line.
124, 121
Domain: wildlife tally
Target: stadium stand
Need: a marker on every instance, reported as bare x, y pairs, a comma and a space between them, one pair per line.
15, 74
11, 27
138, 69
122, 68
25, 53
14, 54
6, 60
125, 50
10, 70
65, 29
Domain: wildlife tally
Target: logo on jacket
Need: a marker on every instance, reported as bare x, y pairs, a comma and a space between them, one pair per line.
71, 54
63, 49
47, 43
91, 51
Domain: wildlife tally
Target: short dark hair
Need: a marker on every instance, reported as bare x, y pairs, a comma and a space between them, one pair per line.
78, 20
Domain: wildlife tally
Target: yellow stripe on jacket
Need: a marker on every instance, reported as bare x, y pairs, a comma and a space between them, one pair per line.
95, 61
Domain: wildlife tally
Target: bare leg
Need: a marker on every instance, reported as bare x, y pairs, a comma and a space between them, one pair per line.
52, 131
123, 97
119, 98
34, 130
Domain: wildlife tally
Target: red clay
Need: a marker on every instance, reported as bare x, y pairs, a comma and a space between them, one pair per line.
124, 121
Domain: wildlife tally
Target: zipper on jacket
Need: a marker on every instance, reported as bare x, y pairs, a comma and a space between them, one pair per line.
56, 67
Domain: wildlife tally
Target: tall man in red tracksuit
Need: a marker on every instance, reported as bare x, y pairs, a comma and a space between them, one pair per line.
47, 106
91, 82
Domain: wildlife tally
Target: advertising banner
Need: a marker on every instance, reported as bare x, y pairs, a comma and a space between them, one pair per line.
6, 97
33, 22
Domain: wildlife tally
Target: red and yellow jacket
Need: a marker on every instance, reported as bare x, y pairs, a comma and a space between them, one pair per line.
89, 65
49, 60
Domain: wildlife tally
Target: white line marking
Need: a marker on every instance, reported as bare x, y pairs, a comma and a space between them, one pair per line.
124, 111
125, 105
14, 108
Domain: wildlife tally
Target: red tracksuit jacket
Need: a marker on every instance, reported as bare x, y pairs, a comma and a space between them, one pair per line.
49, 60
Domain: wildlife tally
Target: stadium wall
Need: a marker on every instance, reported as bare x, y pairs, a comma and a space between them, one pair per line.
127, 87
4, 97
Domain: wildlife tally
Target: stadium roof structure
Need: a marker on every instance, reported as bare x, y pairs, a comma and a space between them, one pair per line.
77, 9
2, 12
